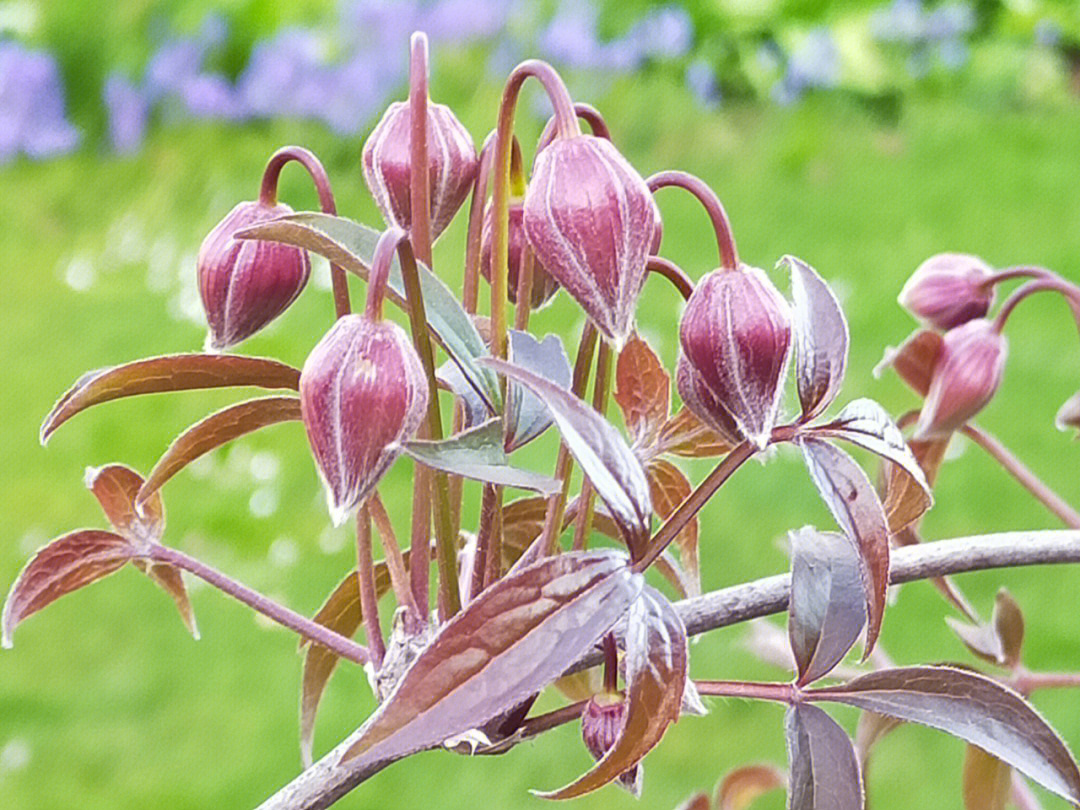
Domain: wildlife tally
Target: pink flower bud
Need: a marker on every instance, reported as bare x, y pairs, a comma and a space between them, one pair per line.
601, 725
543, 285
590, 219
703, 404
966, 377
362, 392
244, 283
736, 339
949, 289
452, 165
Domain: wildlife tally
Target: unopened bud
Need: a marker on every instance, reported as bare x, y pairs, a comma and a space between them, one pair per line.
452, 165
949, 289
704, 404
543, 285
246, 283
736, 337
362, 393
966, 377
590, 219
602, 724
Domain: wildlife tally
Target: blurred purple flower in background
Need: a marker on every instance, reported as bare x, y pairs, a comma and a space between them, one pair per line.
814, 64
128, 110
32, 116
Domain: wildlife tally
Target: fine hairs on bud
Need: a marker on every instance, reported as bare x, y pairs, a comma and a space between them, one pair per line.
948, 290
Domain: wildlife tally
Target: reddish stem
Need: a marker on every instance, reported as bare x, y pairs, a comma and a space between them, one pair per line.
1020, 271
673, 273
601, 394
587, 113
369, 600
780, 692
419, 180
725, 240
381, 260
395, 560
1069, 292
611, 663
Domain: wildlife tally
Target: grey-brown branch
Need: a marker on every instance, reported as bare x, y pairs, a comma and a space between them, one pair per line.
325, 782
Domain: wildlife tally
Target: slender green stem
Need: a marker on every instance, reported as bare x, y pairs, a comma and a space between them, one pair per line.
365, 576
523, 293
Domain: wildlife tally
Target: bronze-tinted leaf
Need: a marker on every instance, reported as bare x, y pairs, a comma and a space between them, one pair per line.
973, 707
914, 361
116, 487
742, 785
175, 372
856, 507
656, 668
699, 801
905, 496
871, 729
987, 781
824, 773
1008, 621
642, 390
686, 435
669, 488
64, 565
512, 640
218, 429
171, 581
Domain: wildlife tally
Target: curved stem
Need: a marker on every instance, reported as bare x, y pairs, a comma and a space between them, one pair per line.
268, 196
309, 629
365, 577
380, 271
1054, 284
1019, 271
419, 180
587, 113
725, 240
673, 273
1027, 479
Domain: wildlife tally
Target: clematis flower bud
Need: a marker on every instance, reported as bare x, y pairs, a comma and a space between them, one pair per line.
362, 392
591, 219
965, 378
949, 289
736, 342
245, 284
543, 285
601, 725
452, 165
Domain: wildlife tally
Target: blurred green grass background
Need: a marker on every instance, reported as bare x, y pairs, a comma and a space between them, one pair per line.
106, 703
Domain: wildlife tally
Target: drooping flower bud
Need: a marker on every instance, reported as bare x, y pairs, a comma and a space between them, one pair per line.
703, 404
246, 283
544, 286
966, 377
590, 219
452, 165
362, 392
949, 289
736, 341
601, 725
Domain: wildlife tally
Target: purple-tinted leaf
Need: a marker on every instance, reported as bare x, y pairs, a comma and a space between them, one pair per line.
669, 487
856, 507
685, 434
176, 372
973, 707
512, 640
987, 781
824, 774
478, 454
742, 785
604, 456
865, 423
915, 360
656, 667
476, 410
642, 391
64, 565
116, 487
828, 601
821, 338
526, 416
215, 430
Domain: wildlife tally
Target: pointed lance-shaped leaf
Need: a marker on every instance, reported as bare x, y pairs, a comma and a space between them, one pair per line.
63, 566
478, 454
642, 391
857, 509
821, 338
604, 456
176, 372
669, 487
824, 773
657, 659
827, 610
914, 360
684, 434
999, 641
987, 781
116, 488
973, 707
741, 786
172, 582
515, 638
526, 416
216, 430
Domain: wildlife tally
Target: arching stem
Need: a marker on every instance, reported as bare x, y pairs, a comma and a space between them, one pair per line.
673, 273
725, 240
587, 113
1070, 292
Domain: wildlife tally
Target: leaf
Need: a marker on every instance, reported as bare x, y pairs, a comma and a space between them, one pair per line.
215, 430
906, 497
63, 566
870, 730
657, 659
914, 361
642, 390
827, 610
478, 454
824, 774
699, 801
172, 582
1001, 640
987, 781
686, 435
847, 492
352, 246
515, 638
973, 707
669, 487
821, 338
526, 416
116, 487
866, 424
604, 456
741, 786
174, 372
